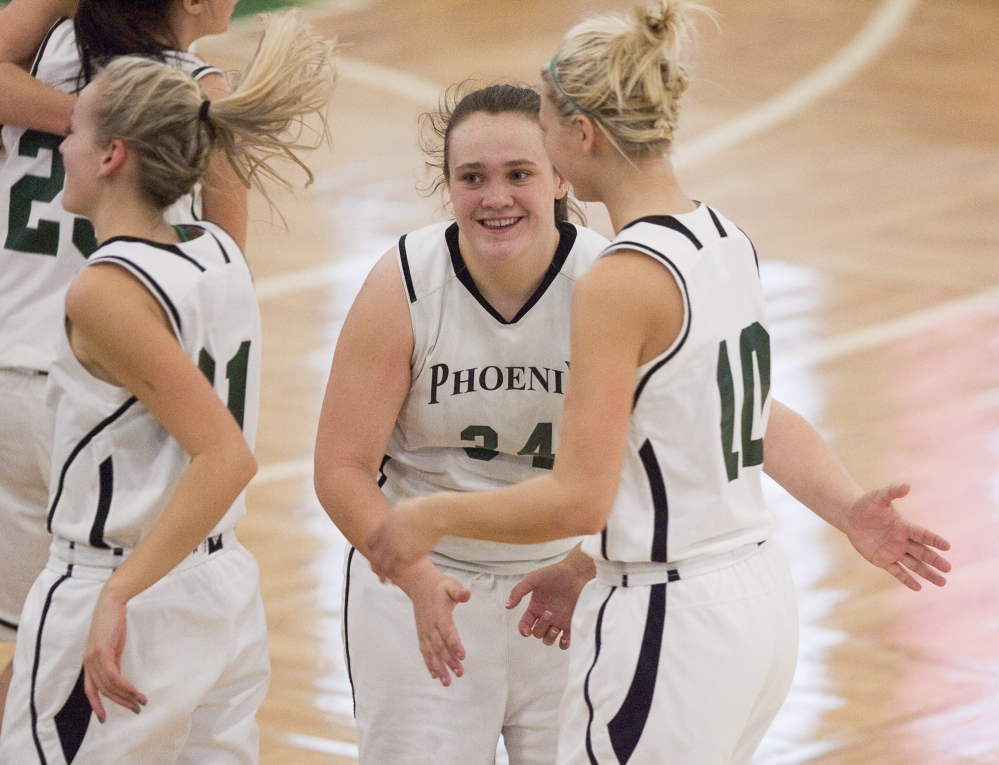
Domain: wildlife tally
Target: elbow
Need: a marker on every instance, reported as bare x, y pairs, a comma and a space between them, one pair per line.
586, 510
246, 466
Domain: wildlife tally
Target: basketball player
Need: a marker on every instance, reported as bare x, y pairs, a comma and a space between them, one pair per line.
42, 246
450, 373
161, 328
685, 643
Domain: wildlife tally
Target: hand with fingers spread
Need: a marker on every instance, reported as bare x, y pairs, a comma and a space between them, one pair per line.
434, 596
102, 658
554, 591
886, 539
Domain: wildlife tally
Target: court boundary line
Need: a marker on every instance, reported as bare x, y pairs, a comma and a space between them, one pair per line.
884, 24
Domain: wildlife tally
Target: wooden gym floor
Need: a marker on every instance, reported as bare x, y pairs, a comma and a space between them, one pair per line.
855, 142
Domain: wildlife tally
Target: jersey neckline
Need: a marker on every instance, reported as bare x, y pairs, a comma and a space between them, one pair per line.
567, 237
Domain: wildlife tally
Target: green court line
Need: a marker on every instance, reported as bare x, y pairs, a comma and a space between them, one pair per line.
249, 7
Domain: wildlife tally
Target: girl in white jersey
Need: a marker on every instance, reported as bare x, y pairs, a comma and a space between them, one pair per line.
154, 393
48, 51
684, 645
450, 373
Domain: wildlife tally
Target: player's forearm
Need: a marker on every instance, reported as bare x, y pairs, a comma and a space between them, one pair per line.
204, 494
540, 510
798, 459
353, 500
26, 102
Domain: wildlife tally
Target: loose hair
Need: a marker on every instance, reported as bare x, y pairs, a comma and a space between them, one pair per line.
625, 73
108, 28
163, 115
457, 104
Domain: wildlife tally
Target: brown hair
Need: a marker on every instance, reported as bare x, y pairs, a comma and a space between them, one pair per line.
625, 73
460, 102
163, 115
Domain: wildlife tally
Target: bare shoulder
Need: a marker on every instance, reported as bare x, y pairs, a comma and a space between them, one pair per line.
629, 294
104, 295
378, 327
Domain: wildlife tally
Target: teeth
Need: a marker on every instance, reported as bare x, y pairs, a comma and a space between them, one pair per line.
499, 223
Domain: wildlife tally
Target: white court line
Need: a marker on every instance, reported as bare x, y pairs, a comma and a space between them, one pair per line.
324, 745
815, 353
886, 332
403, 84
885, 23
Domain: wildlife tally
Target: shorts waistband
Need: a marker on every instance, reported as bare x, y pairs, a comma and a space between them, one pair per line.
615, 573
76, 554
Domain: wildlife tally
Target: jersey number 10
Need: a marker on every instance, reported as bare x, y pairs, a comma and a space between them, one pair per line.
754, 341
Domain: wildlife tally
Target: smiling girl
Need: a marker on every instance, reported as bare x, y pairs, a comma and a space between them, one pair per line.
450, 373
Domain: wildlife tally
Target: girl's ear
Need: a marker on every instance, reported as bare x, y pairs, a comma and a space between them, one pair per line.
563, 186
585, 132
113, 158
194, 7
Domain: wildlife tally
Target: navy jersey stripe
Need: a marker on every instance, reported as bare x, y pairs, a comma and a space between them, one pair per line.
382, 478
718, 225
667, 221
626, 728
638, 246
404, 260
346, 632
567, 237
222, 249
103, 504
586, 683
171, 248
660, 504
73, 719
151, 284
80, 447
45, 43
37, 662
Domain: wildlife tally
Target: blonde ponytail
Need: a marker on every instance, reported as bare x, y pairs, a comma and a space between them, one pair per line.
164, 116
626, 73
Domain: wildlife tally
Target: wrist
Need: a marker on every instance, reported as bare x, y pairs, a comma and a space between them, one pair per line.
414, 578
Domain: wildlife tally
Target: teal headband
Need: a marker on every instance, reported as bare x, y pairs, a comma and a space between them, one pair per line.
561, 90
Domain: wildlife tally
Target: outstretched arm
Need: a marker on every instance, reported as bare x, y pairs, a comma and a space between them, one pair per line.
618, 323
797, 458
25, 101
368, 383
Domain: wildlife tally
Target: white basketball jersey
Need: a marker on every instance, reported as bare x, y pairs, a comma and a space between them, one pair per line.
485, 404
41, 245
691, 479
113, 465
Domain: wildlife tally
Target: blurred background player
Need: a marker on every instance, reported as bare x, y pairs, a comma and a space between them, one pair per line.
148, 462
